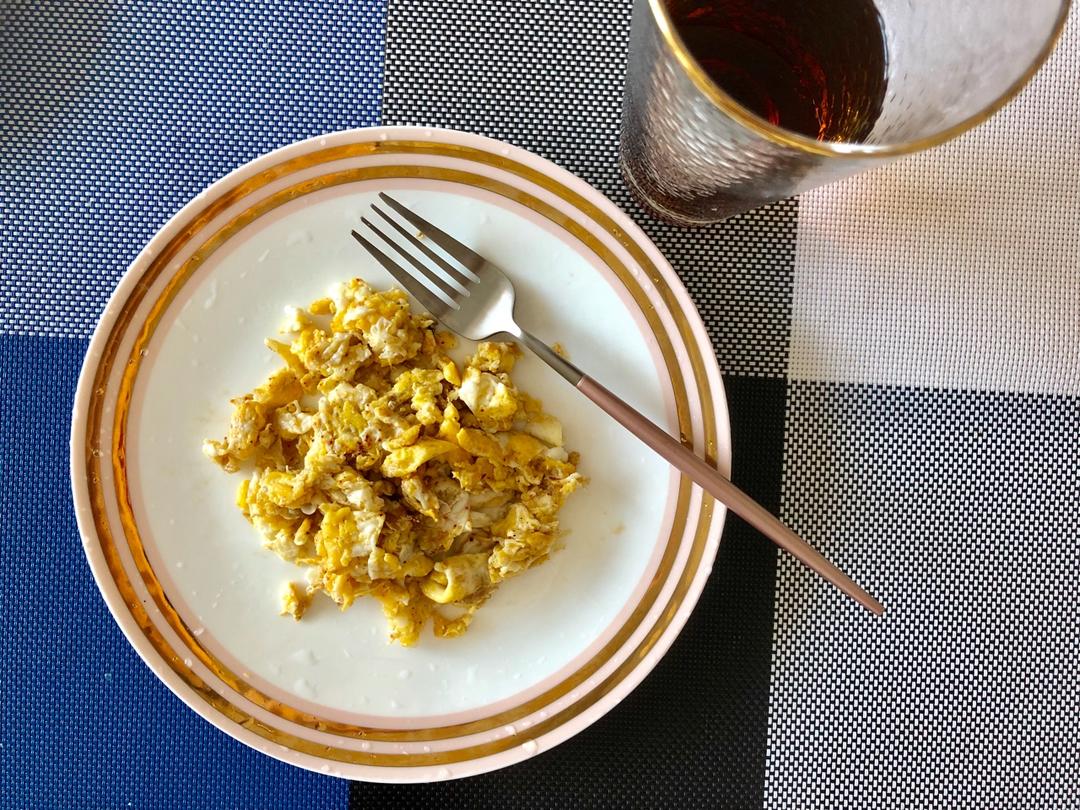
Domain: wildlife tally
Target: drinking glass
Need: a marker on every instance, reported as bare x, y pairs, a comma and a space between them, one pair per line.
692, 154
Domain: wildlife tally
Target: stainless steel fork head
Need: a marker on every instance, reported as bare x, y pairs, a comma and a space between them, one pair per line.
467, 294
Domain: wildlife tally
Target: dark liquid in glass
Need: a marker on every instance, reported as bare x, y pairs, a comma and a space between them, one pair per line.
816, 67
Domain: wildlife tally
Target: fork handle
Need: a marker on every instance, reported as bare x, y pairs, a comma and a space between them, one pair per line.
702, 473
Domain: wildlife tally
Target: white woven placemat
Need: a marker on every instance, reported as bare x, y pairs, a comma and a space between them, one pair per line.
932, 447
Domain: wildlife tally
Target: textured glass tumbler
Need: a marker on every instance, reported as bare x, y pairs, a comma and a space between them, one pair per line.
693, 155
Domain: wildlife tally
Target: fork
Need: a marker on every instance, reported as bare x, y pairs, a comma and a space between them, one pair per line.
476, 301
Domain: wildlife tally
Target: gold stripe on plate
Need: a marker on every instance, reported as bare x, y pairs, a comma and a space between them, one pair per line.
130, 373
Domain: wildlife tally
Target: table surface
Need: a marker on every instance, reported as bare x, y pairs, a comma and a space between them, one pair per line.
901, 354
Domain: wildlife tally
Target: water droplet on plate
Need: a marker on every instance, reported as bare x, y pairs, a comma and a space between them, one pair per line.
443, 773
198, 631
426, 749
403, 674
365, 745
510, 730
530, 747
304, 688
187, 662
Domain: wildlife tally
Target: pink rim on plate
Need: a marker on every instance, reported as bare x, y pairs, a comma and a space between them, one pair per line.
143, 597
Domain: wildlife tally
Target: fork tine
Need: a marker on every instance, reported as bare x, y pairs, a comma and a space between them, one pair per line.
428, 300
428, 278
459, 278
468, 257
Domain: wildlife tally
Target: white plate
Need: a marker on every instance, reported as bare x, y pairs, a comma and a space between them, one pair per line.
185, 575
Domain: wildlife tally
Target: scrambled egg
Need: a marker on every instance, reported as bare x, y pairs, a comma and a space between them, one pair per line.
371, 459
294, 600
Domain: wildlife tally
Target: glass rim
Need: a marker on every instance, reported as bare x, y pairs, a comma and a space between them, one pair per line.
786, 137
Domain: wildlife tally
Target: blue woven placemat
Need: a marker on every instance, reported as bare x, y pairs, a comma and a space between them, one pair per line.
114, 115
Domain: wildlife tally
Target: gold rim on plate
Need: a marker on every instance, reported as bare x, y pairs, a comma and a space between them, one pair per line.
118, 455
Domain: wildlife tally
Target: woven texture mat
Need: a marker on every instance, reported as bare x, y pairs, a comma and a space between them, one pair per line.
901, 353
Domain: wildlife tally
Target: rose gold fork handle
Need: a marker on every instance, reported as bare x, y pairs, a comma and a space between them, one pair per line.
701, 472
710, 479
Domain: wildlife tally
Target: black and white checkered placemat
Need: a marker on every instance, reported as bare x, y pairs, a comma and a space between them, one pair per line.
901, 357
